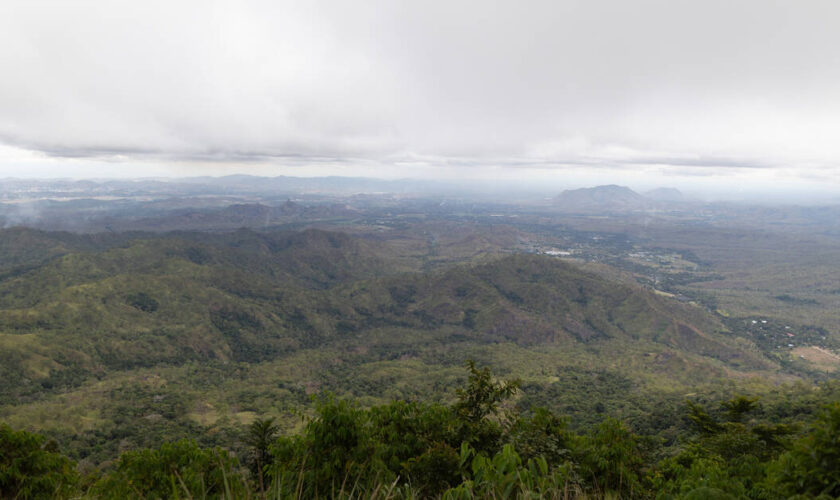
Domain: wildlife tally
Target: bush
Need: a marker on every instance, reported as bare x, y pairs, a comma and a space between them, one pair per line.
175, 470
612, 458
30, 467
334, 453
812, 466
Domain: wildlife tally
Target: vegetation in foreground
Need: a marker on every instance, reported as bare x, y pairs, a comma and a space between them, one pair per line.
118, 347
477, 447
124, 341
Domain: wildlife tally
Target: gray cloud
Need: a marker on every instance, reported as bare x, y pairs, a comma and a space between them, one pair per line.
543, 84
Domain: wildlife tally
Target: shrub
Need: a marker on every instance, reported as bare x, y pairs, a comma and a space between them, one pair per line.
175, 470
30, 467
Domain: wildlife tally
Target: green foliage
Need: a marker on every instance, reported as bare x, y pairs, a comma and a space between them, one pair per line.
175, 470
143, 302
247, 324
738, 407
406, 442
542, 434
406, 431
482, 395
410, 449
612, 459
232, 326
704, 422
729, 454
435, 470
335, 448
271, 317
30, 467
812, 466
505, 476
477, 407
259, 436
694, 472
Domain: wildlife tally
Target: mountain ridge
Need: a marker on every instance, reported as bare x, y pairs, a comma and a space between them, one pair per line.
249, 296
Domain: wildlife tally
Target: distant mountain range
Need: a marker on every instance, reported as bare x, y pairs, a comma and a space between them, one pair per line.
238, 185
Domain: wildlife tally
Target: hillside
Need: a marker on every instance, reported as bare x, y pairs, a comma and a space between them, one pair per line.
228, 326
609, 198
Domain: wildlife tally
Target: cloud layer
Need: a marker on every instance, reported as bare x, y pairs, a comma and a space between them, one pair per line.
551, 84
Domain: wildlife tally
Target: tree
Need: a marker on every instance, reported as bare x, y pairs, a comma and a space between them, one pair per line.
409, 436
542, 434
613, 458
334, 452
739, 406
30, 467
259, 436
482, 395
812, 466
176, 469
705, 423
477, 403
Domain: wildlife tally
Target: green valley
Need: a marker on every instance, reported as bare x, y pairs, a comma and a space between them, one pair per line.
124, 342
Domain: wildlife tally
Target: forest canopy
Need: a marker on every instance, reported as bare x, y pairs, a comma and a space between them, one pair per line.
480, 446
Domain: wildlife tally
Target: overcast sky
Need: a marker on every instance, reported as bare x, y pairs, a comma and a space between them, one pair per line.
689, 91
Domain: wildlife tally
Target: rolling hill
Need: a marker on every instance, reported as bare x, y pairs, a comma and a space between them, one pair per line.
609, 198
234, 324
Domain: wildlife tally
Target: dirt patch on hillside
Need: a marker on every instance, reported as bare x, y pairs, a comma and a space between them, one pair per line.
822, 359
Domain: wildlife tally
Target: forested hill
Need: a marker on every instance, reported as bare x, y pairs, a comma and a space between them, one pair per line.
117, 341
251, 297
